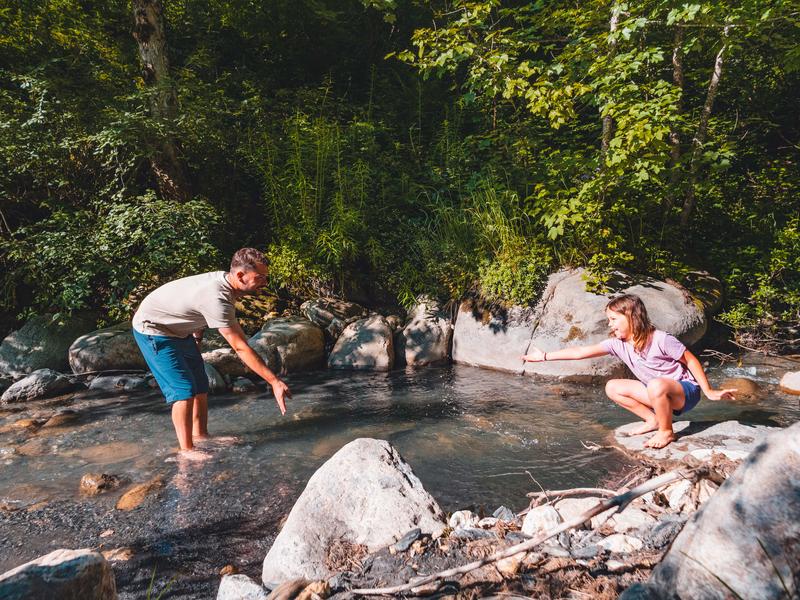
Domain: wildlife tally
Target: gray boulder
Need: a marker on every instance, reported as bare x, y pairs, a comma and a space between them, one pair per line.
109, 349
216, 382
364, 494
567, 315
332, 314
227, 362
428, 334
42, 383
299, 344
744, 541
42, 343
240, 587
119, 383
366, 344
62, 574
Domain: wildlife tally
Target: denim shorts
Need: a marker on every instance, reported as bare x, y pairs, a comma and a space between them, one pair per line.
175, 363
691, 392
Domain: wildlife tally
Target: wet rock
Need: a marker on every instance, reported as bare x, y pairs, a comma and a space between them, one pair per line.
138, 493
325, 312
747, 390
462, 518
504, 514
43, 383
118, 383
63, 574
366, 344
240, 587
216, 382
242, 385
299, 343
42, 343
227, 362
365, 494
619, 543
753, 520
97, 483
790, 382
428, 334
110, 349
698, 439
540, 520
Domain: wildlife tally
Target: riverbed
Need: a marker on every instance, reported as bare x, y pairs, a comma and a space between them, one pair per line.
477, 439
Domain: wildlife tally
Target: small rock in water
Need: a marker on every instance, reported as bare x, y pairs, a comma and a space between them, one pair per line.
504, 514
61, 418
242, 385
137, 494
747, 390
462, 518
404, 543
97, 483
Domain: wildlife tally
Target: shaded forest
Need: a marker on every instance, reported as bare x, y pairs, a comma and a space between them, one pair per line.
387, 148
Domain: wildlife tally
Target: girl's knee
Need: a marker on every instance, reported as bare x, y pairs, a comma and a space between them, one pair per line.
658, 387
613, 387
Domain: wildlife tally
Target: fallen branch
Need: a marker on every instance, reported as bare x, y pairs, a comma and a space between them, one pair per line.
620, 501
572, 492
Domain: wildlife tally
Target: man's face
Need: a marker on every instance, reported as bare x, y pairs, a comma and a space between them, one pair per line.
251, 281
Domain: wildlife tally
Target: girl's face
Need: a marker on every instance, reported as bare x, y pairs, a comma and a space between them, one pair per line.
619, 325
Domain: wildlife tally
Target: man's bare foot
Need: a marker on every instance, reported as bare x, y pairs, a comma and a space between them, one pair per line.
660, 439
645, 427
192, 455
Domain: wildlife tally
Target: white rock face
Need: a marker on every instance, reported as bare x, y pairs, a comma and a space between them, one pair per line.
540, 519
43, 383
743, 541
366, 344
107, 349
299, 343
42, 344
364, 494
700, 440
63, 574
427, 335
790, 382
240, 587
567, 315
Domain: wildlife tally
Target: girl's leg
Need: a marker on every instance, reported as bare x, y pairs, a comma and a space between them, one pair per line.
664, 395
632, 395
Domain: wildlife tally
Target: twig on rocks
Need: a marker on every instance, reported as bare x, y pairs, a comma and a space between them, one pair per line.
573, 492
594, 446
620, 501
540, 486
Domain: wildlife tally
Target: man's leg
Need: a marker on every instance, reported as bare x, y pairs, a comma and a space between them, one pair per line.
182, 420
632, 395
200, 417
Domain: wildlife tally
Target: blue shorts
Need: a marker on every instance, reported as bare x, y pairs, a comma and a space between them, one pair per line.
175, 363
691, 392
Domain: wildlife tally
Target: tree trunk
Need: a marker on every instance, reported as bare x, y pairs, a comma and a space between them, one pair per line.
148, 31
608, 121
702, 130
675, 136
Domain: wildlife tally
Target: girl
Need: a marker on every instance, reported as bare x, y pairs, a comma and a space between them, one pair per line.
670, 377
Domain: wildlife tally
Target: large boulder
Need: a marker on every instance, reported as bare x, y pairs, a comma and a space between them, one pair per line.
364, 494
427, 335
109, 349
567, 315
366, 344
744, 541
62, 574
42, 343
299, 344
43, 383
331, 314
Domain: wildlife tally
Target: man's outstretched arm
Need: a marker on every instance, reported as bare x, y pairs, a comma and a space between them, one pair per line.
236, 338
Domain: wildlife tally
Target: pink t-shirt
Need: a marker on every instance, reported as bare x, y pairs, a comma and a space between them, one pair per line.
659, 359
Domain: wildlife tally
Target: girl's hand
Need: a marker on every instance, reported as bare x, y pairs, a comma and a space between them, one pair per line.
721, 394
535, 356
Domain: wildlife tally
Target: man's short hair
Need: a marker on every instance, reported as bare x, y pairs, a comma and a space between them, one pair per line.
248, 259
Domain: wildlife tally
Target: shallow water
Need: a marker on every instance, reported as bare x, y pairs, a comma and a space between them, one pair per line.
475, 438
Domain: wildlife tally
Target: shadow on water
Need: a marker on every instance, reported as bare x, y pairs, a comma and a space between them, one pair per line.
475, 438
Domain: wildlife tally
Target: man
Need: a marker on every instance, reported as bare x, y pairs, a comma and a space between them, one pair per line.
169, 325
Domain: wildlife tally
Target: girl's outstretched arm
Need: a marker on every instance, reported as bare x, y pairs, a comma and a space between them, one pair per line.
696, 369
576, 353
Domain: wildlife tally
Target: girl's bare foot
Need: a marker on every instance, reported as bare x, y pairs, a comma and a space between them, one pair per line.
645, 427
660, 439
192, 455
217, 440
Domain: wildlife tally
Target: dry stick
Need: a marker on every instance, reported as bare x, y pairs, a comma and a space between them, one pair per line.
572, 492
620, 501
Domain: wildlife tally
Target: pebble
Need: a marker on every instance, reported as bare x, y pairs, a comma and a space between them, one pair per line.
462, 518
621, 543
472, 533
504, 514
404, 543
540, 519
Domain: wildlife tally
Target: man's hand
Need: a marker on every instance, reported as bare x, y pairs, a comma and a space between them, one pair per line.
726, 394
536, 355
281, 391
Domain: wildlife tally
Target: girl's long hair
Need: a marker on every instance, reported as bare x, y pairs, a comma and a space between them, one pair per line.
633, 308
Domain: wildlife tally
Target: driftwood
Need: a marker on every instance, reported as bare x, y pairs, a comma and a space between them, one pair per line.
619, 501
572, 492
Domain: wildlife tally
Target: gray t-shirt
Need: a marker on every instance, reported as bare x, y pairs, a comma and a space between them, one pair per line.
181, 307
659, 359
